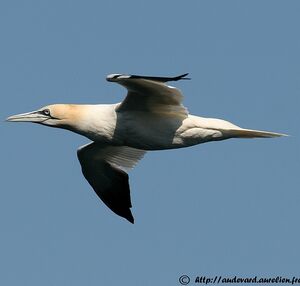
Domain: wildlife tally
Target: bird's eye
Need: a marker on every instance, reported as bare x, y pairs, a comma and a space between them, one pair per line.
46, 112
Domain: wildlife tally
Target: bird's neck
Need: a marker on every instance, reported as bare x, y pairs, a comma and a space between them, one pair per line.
96, 122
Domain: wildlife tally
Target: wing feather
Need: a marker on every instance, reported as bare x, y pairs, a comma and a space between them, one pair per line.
103, 167
151, 94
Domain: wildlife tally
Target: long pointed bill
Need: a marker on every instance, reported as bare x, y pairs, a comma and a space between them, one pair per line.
34, 116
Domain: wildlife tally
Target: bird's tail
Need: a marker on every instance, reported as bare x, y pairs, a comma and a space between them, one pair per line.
248, 133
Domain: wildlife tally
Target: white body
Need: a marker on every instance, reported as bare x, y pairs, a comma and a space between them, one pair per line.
151, 117
148, 131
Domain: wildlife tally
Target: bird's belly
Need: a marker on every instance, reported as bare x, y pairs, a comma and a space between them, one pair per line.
158, 133
152, 138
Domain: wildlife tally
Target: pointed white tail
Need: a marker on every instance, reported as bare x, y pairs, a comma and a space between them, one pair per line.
248, 133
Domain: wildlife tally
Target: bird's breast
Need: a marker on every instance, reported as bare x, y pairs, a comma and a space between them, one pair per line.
147, 131
98, 123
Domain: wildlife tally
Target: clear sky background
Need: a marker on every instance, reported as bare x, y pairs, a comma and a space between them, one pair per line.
225, 208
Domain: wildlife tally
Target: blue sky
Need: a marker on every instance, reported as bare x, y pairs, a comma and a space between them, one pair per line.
225, 208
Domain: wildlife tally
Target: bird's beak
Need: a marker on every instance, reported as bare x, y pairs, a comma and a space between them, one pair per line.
34, 116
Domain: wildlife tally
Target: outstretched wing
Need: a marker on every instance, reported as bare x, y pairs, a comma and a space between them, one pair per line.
105, 167
151, 94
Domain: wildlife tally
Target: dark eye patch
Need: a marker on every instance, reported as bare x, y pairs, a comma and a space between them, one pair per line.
45, 112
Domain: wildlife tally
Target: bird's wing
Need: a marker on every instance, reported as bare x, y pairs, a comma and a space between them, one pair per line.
151, 94
104, 168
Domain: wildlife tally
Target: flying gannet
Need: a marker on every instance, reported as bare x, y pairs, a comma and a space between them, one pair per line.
151, 117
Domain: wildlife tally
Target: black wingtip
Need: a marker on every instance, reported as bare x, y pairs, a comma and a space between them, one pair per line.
153, 78
118, 77
127, 215
131, 219
183, 76
159, 78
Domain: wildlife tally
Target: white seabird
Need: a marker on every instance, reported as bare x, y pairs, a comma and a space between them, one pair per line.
151, 117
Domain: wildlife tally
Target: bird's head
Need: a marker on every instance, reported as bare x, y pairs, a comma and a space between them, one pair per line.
56, 115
